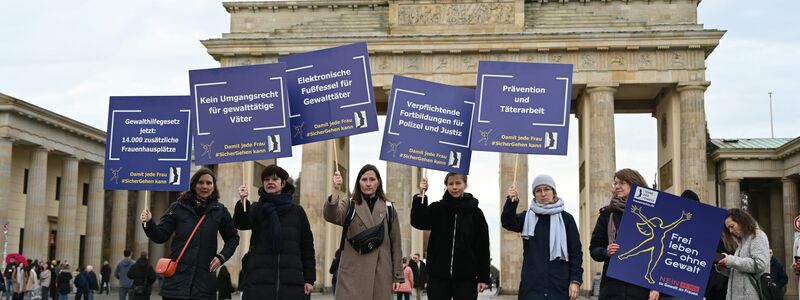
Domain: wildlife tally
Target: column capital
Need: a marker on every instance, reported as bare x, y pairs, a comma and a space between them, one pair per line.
42, 148
8, 139
787, 179
732, 179
593, 87
693, 85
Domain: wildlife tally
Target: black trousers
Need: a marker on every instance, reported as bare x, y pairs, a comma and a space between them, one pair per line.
446, 289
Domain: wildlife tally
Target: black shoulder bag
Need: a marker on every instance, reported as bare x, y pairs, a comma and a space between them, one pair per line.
369, 239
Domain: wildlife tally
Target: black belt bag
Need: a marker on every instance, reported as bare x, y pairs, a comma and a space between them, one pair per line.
368, 240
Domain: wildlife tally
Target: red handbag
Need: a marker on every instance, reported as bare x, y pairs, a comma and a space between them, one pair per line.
167, 266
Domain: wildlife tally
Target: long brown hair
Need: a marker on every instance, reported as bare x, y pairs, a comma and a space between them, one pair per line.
631, 177
358, 195
193, 182
747, 224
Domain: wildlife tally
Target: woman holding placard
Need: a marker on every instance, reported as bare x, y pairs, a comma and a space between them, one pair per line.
370, 266
750, 259
458, 246
603, 243
552, 255
193, 222
280, 264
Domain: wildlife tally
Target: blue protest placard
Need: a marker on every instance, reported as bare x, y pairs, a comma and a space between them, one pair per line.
242, 113
147, 143
522, 108
667, 243
428, 125
330, 93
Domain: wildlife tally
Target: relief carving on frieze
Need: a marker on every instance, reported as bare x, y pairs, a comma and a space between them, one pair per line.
456, 14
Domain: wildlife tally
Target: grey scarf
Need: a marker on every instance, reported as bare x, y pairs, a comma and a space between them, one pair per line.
558, 232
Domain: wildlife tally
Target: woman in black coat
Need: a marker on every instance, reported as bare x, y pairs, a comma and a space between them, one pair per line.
458, 246
552, 255
281, 263
143, 277
603, 244
195, 276
63, 285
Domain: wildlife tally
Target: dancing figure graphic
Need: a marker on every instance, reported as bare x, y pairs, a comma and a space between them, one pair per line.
656, 232
207, 149
485, 136
393, 148
115, 175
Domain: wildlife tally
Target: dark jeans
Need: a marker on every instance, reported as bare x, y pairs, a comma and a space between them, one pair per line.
400, 296
440, 289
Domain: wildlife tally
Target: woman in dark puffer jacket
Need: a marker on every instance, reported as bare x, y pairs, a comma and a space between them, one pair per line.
280, 264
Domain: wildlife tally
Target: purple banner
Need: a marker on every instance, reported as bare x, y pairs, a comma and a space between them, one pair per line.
428, 125
330, 93
522, 108
242, 114
147, 143
667, 243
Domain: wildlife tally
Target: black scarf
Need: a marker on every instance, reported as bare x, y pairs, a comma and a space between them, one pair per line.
464, 204
371, 202
272, 206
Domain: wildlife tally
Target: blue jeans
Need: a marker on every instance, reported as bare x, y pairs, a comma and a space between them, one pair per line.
123, 293
63, 296
9, 285
90, 295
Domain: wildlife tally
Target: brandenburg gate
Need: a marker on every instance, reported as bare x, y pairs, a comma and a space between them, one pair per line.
631, 56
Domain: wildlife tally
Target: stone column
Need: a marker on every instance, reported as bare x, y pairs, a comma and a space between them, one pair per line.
510, 245
95, 217
67, 239
693, 137
789, 213
6, 147
158, 206
119, 229
776, 221
602, 162
399, 189
733, 193
316, 172
36, 224
141, 242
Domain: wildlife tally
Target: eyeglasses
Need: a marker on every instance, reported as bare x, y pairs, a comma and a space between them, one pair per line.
618, 183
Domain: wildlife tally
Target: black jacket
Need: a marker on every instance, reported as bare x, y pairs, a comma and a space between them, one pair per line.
268, 272
611, 288
105, 273
62, 282
193, 279
540, 275
420, 273
459, 218
143, 276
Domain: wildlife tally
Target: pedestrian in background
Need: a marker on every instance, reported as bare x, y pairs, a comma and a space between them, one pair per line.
224, 285
420, 272
121, 273
105, 277
143, 276
750, 258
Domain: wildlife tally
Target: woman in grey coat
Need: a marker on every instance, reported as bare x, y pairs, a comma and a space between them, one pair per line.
751, 256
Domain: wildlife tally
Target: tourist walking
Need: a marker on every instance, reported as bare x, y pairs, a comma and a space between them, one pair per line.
121, 273
281, 263
195, 277
143, 277
552, 256
370, 266
604, 236
458, 246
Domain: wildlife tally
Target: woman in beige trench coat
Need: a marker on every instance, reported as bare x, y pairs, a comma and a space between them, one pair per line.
370, 275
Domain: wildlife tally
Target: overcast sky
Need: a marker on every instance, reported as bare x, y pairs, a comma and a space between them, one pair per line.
70, 56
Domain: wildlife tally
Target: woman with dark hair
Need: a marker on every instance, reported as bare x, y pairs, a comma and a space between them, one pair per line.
195, 275
370, 266
751, 256
281, 263
458, 246
552, 259
603, 243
